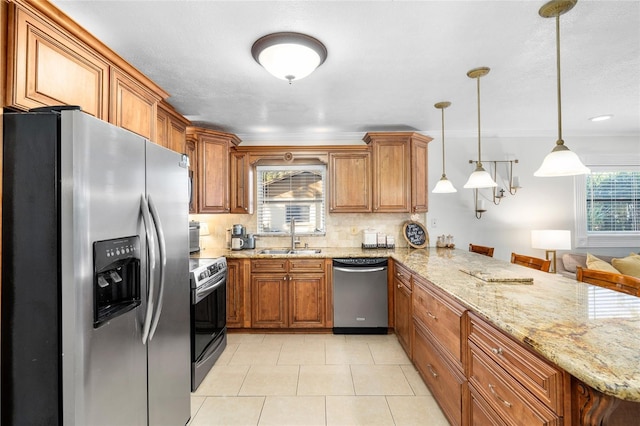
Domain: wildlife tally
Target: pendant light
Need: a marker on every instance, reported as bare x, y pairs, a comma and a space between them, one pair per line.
561, 161
444, 185
480, 178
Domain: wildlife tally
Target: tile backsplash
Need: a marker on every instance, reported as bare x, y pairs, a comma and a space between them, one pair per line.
343, 230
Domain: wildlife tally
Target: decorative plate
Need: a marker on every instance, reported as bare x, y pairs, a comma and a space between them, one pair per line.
415, 234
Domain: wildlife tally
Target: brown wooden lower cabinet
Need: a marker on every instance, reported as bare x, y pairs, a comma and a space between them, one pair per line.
236, 293
447, 384
403, 320
480, 412
288, 293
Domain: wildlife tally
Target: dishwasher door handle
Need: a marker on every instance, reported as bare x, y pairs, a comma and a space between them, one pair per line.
358, 270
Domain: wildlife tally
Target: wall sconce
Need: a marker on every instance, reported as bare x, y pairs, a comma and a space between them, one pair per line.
478, 204
551, 240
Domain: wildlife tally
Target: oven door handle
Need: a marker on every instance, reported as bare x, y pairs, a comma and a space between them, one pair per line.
151, 247
357, 270
162, 248
206, 290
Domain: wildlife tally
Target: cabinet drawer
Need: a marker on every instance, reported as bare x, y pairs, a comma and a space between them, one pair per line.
403, 275
442, 317
481, 413
269, 265
445, 383
541, 378
504, 394
306, 265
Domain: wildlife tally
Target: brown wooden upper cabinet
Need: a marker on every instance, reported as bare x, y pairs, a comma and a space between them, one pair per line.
51, 60
350, 182
171, 128
132, 106
399, 171
213, 178
241, 183
48, 66
191, 149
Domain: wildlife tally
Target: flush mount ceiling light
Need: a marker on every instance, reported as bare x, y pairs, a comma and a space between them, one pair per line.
289, 56
480, 178
601, 118
561, 161
444, 185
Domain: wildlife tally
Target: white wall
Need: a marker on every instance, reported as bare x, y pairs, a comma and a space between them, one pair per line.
542, 203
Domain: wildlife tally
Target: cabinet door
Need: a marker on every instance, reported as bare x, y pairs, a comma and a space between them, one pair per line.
235, 293
307, 300
391, 178
403, 319
192, 151
268, 301
49, 67
350, 182
162, 126
419, 176
213, 176
241, 183
132, 106
447, 385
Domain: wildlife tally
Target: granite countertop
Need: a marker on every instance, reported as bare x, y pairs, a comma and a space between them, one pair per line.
590, 332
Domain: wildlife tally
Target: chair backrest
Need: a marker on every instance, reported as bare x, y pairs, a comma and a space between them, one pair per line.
610, 280
487, 251
531, 262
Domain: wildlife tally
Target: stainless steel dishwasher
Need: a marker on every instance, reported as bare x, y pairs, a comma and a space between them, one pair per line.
360, 296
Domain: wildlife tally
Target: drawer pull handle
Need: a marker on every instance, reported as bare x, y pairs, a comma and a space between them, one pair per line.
497, 351
498, 397
433, 373
399, 285
431, 315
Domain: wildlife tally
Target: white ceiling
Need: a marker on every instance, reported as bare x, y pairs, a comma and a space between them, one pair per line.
388, 63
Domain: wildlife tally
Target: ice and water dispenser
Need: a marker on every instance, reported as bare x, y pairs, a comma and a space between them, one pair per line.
116, 279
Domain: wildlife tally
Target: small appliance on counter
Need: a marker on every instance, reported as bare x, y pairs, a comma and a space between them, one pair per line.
240, 239
238, 236
194, 236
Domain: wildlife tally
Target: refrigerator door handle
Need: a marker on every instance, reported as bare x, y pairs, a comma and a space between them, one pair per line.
151, 245
163, 264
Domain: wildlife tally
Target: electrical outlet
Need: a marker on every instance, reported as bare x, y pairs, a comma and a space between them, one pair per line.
434, 223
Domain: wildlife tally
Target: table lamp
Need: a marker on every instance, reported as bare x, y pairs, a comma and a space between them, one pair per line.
551, 240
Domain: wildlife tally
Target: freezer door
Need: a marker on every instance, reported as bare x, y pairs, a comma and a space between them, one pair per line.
102, 179
169, 344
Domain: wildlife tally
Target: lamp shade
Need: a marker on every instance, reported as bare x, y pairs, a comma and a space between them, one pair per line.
444, 186
289, 56
561, 162
480, 178
551, 239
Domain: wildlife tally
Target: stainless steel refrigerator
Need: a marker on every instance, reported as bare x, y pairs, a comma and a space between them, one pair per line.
95, 286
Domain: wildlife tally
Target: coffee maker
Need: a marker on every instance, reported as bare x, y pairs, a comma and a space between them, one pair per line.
238, 236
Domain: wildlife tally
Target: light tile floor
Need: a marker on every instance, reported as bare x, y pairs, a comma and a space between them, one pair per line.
313, 379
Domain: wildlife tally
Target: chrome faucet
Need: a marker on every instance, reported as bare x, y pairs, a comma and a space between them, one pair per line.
293, 234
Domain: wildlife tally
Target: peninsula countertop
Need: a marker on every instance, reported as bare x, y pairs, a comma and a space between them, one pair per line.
591, 332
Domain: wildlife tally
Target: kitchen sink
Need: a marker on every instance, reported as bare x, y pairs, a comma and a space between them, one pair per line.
289, 251
305, 251
274, 251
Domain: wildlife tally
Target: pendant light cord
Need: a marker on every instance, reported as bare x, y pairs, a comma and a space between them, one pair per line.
479, 145
559, 141
443, 172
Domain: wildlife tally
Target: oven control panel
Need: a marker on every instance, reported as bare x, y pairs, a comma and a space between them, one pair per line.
206, 270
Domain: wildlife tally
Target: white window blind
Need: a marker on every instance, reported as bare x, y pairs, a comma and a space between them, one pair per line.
286, 192
613, 201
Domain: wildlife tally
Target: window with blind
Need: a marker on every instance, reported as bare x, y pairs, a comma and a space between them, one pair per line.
286, 192
608, 206
613, 202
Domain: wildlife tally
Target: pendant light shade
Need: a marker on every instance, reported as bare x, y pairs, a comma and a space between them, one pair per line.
480, 178
561, 161
444, 185
289, 56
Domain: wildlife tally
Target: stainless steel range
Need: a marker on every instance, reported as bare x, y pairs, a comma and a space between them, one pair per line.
208, 278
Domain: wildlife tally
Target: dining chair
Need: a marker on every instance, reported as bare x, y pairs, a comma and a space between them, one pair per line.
618, 282
487, 251
531, 262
